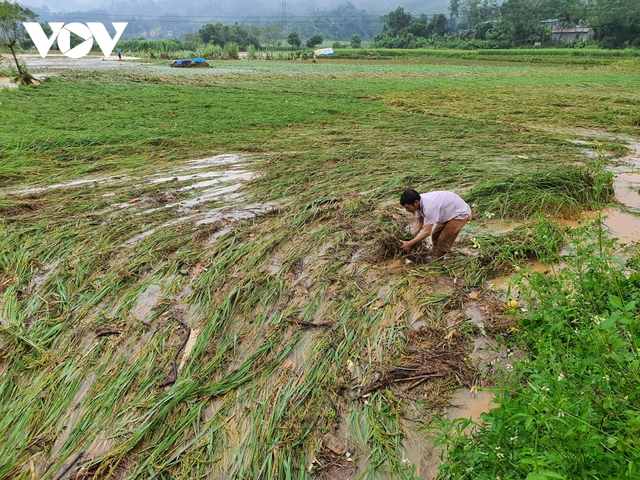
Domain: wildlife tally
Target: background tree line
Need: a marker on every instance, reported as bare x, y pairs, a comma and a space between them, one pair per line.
616, 23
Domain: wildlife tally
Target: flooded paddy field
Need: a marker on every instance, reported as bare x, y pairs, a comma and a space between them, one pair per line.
199, 272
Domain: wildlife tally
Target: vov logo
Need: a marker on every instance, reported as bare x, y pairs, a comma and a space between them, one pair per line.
89, 32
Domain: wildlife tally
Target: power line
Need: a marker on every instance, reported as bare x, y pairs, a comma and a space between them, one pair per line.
284, 15
124, 16
248, 20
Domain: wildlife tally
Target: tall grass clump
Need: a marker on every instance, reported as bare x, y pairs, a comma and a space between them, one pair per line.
564, 192
571, 407
210, 52
539, 240
252, 53
184, 54
230, 51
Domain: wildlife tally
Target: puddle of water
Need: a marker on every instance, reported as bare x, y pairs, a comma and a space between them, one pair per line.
184, 178
627, 178
626, 187
91, 62
218, 234
474, 314
466, 405
7, 83
504, 226
207, 195
231, 214
217, 160
421, 453
297, 359
502, 283
275, 264
418, 324
38, 280
625, 226
228, 176
101, 445
589, 153
146, 301
73, 183
213, 408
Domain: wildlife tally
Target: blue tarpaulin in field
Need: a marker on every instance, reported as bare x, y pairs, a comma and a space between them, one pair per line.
189, 60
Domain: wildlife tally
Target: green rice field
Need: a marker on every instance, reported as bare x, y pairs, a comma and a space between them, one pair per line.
200, 275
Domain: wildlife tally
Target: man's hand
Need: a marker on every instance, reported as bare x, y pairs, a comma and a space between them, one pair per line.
405, 246
424, 233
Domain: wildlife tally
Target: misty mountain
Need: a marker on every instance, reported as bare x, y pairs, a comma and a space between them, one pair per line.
231, 11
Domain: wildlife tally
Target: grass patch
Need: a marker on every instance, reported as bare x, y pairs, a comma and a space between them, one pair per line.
563, 193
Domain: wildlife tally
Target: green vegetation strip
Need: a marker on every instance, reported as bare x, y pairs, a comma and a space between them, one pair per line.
569, 409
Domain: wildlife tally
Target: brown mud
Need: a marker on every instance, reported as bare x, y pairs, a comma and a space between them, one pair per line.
7, 83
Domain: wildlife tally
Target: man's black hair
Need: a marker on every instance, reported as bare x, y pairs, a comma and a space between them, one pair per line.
409, 197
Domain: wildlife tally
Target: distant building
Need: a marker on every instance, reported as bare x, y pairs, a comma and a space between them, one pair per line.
169, 33
154, 33
571, 34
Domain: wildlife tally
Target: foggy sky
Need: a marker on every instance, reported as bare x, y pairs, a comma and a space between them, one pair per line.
293, 6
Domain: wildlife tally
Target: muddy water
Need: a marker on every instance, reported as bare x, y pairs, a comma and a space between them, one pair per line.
626, 184
622, 225
470, 406
502, 283
626, 171
421, 453
7, 83
57, 61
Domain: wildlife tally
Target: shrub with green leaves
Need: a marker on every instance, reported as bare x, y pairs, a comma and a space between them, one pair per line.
212, 51
230, 50
570, 407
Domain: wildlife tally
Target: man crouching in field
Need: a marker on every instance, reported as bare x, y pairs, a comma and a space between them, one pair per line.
439, 214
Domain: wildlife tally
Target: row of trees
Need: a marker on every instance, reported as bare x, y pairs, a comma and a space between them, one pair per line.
519, 22
268, 37
400, 29
616, 23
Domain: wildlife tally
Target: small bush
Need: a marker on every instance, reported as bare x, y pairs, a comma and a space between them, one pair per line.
230, 51
212, 51
315, 39
252, 53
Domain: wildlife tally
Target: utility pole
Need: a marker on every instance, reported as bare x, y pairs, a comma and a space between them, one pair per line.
284, 15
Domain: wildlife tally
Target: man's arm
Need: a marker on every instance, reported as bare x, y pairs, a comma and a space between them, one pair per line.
417, 226
422, 234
